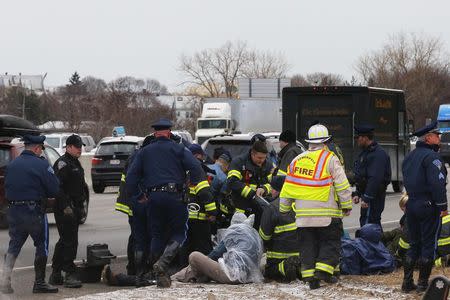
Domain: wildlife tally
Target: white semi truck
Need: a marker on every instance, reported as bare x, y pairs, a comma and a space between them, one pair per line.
226, 116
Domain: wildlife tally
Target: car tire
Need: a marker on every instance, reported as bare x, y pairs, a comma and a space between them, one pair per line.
397, 186
98, 188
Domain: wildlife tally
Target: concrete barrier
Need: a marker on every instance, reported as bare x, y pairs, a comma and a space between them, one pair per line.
85, 161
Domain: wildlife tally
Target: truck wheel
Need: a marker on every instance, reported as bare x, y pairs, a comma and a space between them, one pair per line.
98, 188
397, 186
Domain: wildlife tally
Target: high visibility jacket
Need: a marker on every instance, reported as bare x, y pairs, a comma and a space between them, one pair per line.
444, 237
201, 195
317, 182
123, 202
279, 234
244, 177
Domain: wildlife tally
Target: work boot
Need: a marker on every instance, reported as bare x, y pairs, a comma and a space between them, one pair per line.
408, 275
160, 267
40, 286
108, 277
291, 266
5, 280
140, 265
328, 278
425, 266
71, 281
314, 284
56, 278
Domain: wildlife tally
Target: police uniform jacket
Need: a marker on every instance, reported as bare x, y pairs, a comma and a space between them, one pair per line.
160, 163
201, 195
72, 185
424, 176
286, 155
244, 177
372, 172
30, 178
279, 233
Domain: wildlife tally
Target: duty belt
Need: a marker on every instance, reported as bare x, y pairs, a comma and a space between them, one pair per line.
25, 202
168, 188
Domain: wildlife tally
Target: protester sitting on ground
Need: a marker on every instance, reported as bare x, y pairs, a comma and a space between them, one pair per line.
366, 254
236, 259
396, 240
279, 233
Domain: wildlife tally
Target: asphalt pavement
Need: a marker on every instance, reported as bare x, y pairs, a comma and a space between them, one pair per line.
105, 225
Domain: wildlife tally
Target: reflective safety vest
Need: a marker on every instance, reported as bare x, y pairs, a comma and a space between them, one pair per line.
310, 183
205, 208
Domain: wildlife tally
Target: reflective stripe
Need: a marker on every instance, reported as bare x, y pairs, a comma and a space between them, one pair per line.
318, 212
263, 235
320, 165
253, 186
269, 177
240, 210
201, 185
309, 182
403, 244
308, 273
223, 208
445, 219
234, 173
444, 241
285, 208
197, 215
438, 262
122, 178
324, 267
281, 268
285, 228
346, 204
281, 255
245, 191
342, 186
281, 172
123, 208
210, 206
268, 187
192, 190
337, 269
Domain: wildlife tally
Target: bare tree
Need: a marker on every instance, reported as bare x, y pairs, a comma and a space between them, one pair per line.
317, 78
414, 63
265, 64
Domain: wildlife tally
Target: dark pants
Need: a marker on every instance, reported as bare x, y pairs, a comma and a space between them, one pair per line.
198, 239
141, 227
423, 223
131, 268
168, 214
372, 215
320, 249
24, 221
67, 245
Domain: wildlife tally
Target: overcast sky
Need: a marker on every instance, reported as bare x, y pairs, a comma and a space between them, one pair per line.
145, 39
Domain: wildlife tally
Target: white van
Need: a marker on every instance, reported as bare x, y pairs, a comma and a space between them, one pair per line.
58, 141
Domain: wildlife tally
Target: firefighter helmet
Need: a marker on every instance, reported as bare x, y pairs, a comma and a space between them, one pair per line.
317, 134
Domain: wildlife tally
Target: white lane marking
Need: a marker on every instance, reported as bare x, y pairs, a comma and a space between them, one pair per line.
49, 265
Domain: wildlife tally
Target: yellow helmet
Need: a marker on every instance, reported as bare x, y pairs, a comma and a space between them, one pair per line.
317, 134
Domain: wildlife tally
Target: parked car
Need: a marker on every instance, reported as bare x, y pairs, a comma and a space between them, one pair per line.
185, 135
10, 148
109, 160
238, 144
58, 141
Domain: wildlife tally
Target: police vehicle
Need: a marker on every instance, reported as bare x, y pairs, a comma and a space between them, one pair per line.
339, 108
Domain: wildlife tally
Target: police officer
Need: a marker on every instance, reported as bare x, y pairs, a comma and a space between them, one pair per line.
29, 182
424, 175
158, 175
68, 212
372, 175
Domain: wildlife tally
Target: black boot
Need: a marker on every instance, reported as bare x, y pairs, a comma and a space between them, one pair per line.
141, 266
40, 286
56, 278
314, 284
425, 266
408, 275
5, 280
71, 281
328, 278
291, 267
160, 267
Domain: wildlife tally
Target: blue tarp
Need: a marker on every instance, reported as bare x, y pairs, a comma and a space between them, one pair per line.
366, 254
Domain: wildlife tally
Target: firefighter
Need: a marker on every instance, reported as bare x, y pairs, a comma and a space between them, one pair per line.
317, 183
425, 176
249, 176
202, 212
279, 233
289, 150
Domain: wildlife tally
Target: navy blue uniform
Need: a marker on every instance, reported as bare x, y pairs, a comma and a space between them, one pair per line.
28, 180
424, 176
372, 174
160, 163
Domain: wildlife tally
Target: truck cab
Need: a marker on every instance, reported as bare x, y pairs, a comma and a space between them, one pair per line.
215, 120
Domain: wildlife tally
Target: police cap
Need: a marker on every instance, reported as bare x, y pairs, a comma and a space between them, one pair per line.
277, 182
364, 129
430, 128
162, 124
75, 140
196, 149
29, 139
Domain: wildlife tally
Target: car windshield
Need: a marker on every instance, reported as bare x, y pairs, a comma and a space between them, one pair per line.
236, 147
114, 148
211, 124
53, 141
5, 156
